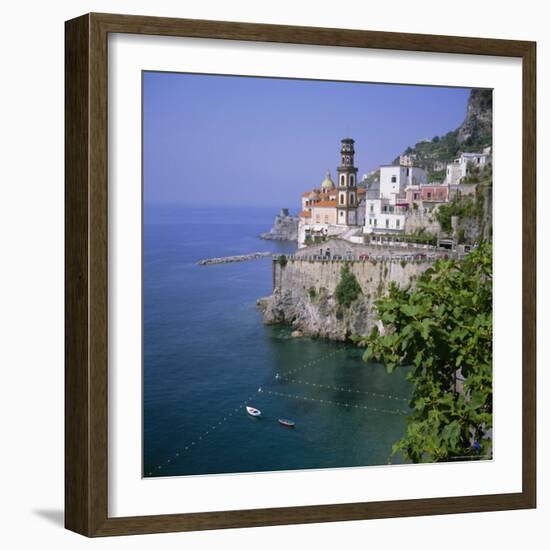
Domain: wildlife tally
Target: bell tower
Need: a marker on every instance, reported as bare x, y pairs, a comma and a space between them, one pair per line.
347, 185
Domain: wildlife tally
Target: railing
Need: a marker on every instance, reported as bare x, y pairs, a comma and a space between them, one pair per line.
419, 258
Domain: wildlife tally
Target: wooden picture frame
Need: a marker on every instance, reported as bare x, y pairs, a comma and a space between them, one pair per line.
86, 283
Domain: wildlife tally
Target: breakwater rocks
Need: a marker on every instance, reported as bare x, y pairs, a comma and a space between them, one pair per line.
233, 259
304, 295
285, 228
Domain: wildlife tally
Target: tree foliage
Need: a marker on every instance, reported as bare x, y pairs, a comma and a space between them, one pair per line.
348, 289
461, 206
443, 329
282, 260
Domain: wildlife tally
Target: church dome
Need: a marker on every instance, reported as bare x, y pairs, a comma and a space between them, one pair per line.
327, 182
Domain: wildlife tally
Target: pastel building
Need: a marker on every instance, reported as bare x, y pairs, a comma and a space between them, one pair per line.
434, 193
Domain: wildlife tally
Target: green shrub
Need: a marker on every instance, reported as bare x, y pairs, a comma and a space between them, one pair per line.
348, 289
282, 260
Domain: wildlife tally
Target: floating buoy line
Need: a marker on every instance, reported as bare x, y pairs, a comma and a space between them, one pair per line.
338, 388
338, 403
203, 435
151, 471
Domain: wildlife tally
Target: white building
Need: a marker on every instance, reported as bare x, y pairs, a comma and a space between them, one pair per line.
386, 206
458, 169
383, 216
394, 180
407, 160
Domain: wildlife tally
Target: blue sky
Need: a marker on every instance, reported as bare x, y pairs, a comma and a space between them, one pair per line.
262, 141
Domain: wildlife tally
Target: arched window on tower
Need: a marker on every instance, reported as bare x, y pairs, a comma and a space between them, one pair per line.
352, 179
352, 199
341, 198
342, 180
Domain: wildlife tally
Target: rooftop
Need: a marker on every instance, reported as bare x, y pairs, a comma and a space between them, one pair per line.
325, 204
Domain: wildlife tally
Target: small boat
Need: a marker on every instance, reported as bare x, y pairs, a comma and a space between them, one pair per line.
287, 423
253, 412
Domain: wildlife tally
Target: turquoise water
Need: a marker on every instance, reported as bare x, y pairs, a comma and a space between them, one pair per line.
207, 353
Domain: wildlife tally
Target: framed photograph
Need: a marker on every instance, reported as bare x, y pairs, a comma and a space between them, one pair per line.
300, 275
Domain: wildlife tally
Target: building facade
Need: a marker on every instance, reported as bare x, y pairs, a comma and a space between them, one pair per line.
459, 168
387, 206
394, 179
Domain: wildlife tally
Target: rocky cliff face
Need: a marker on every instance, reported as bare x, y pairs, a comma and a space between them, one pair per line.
304, 295
285, 228
478, 124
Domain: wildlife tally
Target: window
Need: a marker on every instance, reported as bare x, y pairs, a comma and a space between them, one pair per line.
341, 214
387, 223
341, 198
429, 195
352, 179
370, 221
372, 207
342, 179
393, 179
397, 224
408, 171
375, 222
326, 218
352, 199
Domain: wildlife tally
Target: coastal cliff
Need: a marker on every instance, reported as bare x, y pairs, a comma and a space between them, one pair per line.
304, 295
285, 228
478, 123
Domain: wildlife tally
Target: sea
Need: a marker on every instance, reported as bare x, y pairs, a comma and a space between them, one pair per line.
207, 355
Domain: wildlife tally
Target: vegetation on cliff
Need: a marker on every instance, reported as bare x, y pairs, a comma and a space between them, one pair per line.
348, 289
474, 134
442, 328
460, 206
473, 214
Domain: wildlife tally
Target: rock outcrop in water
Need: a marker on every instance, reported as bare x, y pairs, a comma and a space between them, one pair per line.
285, 228
304, 295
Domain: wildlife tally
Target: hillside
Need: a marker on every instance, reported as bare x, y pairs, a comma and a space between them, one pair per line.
474, 134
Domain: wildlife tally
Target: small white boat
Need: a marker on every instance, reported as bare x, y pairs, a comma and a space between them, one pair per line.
287, 423
253, 412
